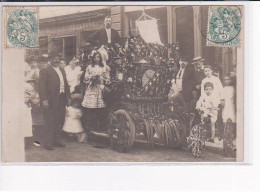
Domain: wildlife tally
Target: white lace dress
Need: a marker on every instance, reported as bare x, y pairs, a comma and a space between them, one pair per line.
72, 120
93, 95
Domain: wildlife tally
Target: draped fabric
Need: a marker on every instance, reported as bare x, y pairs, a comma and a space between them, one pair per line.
148, 30
104, 55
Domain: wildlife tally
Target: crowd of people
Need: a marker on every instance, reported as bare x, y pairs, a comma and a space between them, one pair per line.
69, 98
196, 88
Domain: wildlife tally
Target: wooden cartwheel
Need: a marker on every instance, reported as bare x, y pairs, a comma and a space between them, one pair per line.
121, 131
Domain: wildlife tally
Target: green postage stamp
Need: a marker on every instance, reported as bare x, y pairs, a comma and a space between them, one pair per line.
224, 26
21, 27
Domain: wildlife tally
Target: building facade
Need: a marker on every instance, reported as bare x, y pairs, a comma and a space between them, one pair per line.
184, 24
188, 26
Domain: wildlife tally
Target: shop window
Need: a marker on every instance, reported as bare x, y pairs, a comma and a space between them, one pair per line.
66, 46
185, 31
43, 45
57, 45
69, 48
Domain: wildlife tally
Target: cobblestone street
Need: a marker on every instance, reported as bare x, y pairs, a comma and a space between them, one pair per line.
140, 152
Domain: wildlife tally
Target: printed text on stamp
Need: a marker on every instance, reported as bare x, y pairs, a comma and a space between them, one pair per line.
22, 28
224, 25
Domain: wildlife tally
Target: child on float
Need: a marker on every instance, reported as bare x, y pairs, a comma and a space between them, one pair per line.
208, 106
217, 92
72, 124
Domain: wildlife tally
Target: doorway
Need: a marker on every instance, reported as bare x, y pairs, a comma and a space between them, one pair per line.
185, 31
69, 48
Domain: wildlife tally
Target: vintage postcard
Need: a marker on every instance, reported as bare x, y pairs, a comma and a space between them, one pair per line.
123, 83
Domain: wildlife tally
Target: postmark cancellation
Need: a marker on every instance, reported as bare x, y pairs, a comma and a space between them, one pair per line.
224, 26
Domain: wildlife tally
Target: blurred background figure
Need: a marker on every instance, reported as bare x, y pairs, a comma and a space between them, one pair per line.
73, 73
229, 116
36, 111
73, 125
32, 64
62, 63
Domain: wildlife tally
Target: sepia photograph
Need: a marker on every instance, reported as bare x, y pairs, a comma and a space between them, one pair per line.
124, 83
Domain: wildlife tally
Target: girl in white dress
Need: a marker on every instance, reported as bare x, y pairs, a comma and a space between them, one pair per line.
73, 123
94, 108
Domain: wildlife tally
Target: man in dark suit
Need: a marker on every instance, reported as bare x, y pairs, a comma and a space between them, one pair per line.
186, 82
106, 36
198, 63
55, 96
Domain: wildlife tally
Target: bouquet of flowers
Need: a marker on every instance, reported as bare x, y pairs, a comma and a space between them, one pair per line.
95, 80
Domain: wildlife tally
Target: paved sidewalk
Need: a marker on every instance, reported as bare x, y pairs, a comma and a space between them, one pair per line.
140, 152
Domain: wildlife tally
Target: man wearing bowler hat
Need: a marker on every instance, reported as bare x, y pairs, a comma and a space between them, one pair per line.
185, 82
54, 96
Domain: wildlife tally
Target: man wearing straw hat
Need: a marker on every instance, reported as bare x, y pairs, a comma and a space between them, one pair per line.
198, 63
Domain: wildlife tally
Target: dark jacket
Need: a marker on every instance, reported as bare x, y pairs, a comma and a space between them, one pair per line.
200, 75
188, 83
100, 38
49, 86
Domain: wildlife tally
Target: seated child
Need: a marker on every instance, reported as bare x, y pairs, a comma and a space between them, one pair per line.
208, 106
72, 123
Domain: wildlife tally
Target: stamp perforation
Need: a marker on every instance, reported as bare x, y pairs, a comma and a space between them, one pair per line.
234, 41
24, 20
